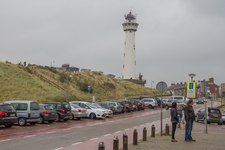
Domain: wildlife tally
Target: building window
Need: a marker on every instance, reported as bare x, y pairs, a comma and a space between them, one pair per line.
215, 89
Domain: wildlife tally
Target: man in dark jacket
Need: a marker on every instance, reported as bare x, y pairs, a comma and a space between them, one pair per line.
189, 116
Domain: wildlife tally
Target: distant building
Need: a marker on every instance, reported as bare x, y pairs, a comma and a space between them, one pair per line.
82, 70
67, 68
111, 75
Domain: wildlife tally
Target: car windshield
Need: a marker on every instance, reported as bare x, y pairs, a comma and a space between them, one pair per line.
178, 97
75, 106
34, 106
92, 106
97, 105
67, 105
48, 107
200, 99
7, 107
178, 101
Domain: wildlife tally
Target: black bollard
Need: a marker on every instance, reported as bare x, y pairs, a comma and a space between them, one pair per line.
101, 146
167, 129
135, 137
153, 131
125, 141
144, 134
115, 143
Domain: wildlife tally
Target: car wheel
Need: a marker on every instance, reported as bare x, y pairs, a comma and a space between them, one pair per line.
8, 125
220, 123
167, 107
92, 116
41, 120
57, 118
22, 121
163, 106
127, 110
207, 121
196, 119
78, 118
72, 117
150, 106
66, 119
50, 121
32, 123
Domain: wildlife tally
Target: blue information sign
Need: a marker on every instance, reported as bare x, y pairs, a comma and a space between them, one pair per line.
89, 88
190, 85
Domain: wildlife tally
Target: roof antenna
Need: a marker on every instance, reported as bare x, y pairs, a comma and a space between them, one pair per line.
131, 9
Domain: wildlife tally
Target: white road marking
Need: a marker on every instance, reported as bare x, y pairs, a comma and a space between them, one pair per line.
77, 143
107, 134
29, 136
5, 140
127, 129
135, 127
50, 132
58, 148
67, 129
117, 131
93, 139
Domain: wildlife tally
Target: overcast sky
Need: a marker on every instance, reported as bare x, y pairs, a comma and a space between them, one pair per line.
174, 37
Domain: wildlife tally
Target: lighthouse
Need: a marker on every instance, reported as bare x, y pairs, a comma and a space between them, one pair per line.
130, 27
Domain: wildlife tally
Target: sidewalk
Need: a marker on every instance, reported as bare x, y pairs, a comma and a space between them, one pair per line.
212, 140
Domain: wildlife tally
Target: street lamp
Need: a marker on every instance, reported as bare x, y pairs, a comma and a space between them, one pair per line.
67, 84
115, 86
52, 63
192, 75
151, 87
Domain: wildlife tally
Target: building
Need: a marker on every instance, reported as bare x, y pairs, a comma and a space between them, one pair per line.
66, 68
181, 89
223, 89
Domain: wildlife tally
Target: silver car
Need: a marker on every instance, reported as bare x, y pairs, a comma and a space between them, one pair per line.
150, 102
169, 103
78, 112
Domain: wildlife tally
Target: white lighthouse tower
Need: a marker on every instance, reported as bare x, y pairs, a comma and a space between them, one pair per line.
130, 27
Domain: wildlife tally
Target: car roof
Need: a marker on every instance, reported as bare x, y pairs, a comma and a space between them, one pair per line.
20, 101
54, 102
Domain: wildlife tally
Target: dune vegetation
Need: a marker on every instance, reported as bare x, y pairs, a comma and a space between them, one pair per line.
29, 83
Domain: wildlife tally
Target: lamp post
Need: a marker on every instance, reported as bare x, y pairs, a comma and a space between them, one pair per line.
192, 75
67, 84
115, 86
52, 63
151, 87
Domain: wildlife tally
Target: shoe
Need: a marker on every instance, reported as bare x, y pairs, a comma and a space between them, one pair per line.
178, 125
193, 140
187, 140
173, 140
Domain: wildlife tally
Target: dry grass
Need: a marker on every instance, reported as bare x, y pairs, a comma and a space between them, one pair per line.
17, 83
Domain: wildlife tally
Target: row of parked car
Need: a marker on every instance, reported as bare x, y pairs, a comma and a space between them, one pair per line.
23, 112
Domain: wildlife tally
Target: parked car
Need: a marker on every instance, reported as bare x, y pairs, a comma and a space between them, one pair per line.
7, 115
213, 115
154, 97
78, 112
200, 100
170, 101
27, 111
223, 116
47, 113
183, 98
139, 103
165, 100
150, 102
111, 105
128, 105
123, 106
63, 110
92, 111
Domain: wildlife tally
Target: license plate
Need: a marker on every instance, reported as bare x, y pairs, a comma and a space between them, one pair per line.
215, 116
12, 115
110, 113
68, 112
136, 108
104, 115
53, 113
182, 105
113, 109
84, 111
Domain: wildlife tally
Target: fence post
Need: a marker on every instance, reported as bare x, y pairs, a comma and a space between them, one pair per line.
125, 141
153, 131
101, 146
115, 143
135, 137
167, 129
144, 134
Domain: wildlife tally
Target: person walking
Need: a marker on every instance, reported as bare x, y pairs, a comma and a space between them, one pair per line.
174, 119
189, 116
179, 114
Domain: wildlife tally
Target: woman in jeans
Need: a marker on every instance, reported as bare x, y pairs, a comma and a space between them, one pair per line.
174, 119
179, 114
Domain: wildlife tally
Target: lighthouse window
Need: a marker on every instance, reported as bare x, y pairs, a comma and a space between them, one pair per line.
123, 66
128, 23
124, 54
124, 43
132, 24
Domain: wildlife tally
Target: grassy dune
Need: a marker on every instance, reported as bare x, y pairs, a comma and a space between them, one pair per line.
19, 83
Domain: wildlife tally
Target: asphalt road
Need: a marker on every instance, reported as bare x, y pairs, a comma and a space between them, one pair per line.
64, 134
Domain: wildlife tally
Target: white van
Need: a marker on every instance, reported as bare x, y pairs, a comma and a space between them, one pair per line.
27, 111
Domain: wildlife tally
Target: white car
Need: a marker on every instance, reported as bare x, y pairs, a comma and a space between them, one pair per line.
223, 116
93, 111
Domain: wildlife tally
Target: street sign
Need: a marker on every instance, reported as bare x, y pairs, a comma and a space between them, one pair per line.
161, 87
191, 90
203, 87
89, 88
